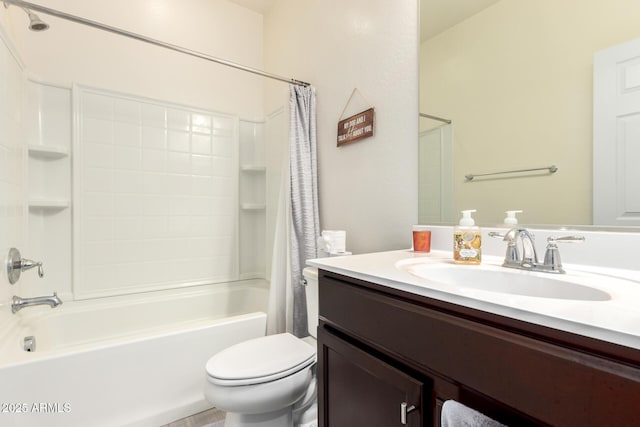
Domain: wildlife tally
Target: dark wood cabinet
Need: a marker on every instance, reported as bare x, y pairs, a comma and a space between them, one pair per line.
362, 390
380, 347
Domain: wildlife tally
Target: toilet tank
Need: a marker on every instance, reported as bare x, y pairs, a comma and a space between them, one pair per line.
311, 279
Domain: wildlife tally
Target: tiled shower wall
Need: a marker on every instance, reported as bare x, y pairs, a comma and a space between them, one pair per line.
156, 195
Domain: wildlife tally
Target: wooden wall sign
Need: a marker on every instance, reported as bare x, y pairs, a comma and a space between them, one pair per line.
356, 127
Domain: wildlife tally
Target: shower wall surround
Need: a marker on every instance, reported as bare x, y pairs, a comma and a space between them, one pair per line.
253, 205
41, 176
156, 195
163, 195
48, 135
12, 152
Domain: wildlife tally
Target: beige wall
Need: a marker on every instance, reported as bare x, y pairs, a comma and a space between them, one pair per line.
516, 79
368, 188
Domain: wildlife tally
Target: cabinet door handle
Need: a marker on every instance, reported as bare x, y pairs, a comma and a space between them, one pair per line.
404, 410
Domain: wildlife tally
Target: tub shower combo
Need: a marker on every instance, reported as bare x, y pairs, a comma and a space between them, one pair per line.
129, 345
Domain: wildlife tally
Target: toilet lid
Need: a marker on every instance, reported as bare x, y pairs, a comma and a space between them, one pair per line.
260, 360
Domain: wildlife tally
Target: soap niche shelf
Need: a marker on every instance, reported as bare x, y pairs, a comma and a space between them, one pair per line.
46, 164
253, 206
47, 130
252, 199
48, 204
253, 168
48, 152
252, 187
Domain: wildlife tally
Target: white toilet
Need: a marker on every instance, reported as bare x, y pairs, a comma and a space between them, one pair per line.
269, 381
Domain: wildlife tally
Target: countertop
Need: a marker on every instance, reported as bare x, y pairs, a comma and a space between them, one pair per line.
616, 320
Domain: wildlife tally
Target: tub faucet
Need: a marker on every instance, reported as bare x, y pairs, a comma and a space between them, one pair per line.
16, 265
18, 303
528, 259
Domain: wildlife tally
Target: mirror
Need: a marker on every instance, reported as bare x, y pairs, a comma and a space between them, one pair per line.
516, 80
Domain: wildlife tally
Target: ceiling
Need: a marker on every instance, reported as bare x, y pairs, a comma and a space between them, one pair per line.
438, 15
260, 6
435, 15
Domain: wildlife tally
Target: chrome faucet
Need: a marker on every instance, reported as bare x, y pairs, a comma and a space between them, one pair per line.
517, 238
18, 303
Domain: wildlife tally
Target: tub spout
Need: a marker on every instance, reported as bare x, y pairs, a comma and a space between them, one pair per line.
18, 303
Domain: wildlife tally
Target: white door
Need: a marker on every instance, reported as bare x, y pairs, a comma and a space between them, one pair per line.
616, 135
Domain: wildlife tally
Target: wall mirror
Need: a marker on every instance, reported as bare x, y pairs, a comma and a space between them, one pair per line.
516, 80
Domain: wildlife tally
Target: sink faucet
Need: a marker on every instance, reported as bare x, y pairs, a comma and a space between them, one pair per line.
18, 303
529, 256
528, 259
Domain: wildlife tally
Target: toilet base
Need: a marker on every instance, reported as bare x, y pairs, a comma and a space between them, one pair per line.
281, 418
309, 418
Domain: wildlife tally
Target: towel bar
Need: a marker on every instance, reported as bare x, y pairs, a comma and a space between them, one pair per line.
551, 169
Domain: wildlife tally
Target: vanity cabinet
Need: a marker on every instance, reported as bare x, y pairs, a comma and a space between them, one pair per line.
379, 348
366, 391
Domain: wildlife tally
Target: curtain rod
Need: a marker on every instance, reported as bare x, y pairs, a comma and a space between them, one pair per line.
440, 119
149, 40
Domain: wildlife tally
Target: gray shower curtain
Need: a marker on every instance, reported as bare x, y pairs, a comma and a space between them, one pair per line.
305, 218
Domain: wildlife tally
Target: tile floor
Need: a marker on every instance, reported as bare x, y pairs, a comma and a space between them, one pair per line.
210, 418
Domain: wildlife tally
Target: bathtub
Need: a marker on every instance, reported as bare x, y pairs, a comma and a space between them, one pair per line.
122, 361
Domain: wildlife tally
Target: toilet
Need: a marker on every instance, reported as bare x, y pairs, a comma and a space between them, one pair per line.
269, 381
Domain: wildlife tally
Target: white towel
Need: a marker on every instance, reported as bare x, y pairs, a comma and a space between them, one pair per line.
455, 414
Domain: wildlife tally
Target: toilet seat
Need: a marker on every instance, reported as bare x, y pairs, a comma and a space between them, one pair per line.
260, 360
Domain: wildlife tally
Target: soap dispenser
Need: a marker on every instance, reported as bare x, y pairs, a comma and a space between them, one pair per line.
467, 240
510, 220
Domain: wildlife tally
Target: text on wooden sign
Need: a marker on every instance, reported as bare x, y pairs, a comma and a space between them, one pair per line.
356, 127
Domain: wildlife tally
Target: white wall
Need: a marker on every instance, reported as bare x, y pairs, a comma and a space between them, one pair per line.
516, 79
71, 53
368, 188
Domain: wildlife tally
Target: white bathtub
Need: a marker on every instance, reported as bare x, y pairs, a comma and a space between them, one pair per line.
125, 361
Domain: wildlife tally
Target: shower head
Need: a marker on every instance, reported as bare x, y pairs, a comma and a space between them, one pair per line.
35, 23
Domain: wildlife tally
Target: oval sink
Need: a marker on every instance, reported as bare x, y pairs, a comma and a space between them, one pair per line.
505, 281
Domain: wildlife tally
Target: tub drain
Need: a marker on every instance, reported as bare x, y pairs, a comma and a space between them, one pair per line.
29, 343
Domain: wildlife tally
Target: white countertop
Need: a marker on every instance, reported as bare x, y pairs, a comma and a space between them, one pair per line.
616, 320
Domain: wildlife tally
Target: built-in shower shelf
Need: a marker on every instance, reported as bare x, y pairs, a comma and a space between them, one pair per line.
49, 204
253, 168
48, 151
253, 206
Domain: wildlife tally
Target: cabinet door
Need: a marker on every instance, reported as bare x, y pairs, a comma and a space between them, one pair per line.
358, 389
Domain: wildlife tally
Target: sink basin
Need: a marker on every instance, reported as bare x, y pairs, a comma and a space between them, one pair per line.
496, 279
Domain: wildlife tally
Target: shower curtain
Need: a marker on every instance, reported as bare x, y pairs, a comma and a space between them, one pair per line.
305, 218
279, 312
304, 227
